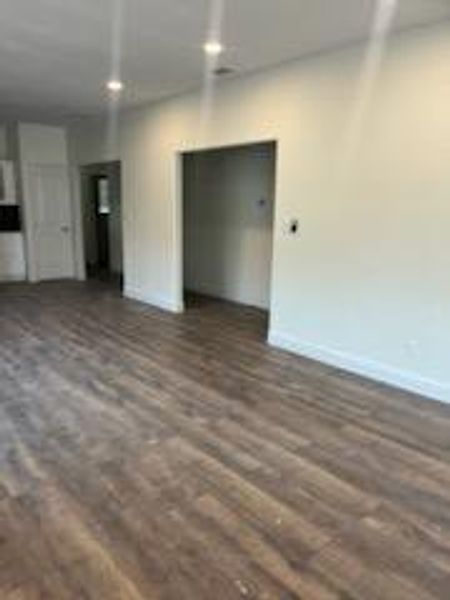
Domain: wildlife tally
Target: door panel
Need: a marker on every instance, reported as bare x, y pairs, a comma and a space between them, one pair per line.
52, 232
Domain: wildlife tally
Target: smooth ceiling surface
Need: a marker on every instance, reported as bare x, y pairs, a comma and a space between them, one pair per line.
55, 55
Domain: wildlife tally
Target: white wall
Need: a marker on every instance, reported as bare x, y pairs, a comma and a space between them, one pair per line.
42, 144
366, 285
228, 223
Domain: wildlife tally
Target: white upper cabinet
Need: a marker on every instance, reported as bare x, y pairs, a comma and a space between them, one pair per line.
7, 183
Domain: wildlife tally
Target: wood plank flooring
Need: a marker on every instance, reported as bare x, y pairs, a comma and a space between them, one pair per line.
153, 456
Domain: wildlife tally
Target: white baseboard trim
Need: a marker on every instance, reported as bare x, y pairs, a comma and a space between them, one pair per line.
360, 366
153, 300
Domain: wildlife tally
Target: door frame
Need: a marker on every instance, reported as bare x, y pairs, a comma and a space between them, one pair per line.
86, 171
178, 282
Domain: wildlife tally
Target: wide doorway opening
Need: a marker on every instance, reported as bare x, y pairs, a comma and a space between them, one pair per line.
102, 221
228, 225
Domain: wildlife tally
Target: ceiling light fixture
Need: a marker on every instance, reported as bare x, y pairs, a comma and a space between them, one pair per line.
115, 86
213, 48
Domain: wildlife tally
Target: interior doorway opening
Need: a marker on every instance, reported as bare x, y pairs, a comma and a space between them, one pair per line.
228, 224
102, 221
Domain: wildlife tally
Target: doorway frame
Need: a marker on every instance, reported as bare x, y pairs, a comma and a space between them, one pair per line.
178, 283
83, 171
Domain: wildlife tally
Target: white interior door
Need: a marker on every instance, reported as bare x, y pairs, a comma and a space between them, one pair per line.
52, 221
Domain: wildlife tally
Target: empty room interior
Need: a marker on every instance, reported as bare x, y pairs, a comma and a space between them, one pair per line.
225, 300
228, 203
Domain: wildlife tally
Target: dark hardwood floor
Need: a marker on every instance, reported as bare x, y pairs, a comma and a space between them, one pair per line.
153, 456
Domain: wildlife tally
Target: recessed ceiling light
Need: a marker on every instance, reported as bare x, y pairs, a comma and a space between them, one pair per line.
114, 85
213, 48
